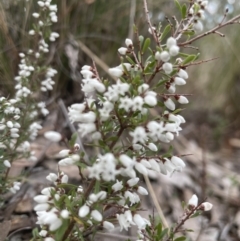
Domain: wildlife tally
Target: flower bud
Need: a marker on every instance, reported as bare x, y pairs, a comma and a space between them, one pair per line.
7, 163
167, 67
193, 201
152, 147
206, 206
171, 42
107, 225
174, 50
83, 211
142, 190
133, 181
169, 104
128, 43
122, 51
53, 136
182, 99
179, 81
96, 215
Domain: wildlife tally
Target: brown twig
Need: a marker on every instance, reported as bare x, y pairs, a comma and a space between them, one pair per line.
149, 22
199, 62
221, 25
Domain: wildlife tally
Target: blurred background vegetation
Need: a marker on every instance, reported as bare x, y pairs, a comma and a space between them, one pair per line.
102, 26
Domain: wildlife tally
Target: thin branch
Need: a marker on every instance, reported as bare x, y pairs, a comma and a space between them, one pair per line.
131, 18
199, 62
231, 21
149, 22
155, 201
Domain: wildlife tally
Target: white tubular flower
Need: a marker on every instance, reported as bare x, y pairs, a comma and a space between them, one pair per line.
169, 104
35, 15
101, 195
150, 30
96, 215
64, 179
169, 166
137, 103
182, 100
133, 197
42, 207
43, 233
164, 56
139, 135
128, 43
53, 136
125, 220
193, 201
145, 163
197, 26
206, 206
142, 88
64, 214
157, 56
57, 223
83, 211
139, 221
150, 100
182, 74
49, 239
9, 124
64, 153
142, 190
66, 162
171, 42
172, 88
152, 147
174, 50
41, 4
154, 165
141, 168
41, 199
117, 186
179, 81
126, 103
133, 181
167, 67
86, 128
107, 225
122, 50
52, 177
126, 160
178, 162
7, 164
47, 191
115, 72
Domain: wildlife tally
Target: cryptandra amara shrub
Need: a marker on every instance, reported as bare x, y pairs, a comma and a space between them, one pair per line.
126, 119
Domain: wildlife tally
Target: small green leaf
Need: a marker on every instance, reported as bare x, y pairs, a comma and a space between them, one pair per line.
178, 5
189, 59
164, 232
189, 32
196, 214
130, 60
165, 31
180, 239
146, 44
184, 11
73, 139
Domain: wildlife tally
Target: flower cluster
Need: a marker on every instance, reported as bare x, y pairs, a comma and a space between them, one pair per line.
128, 121
49, 216
18, 115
